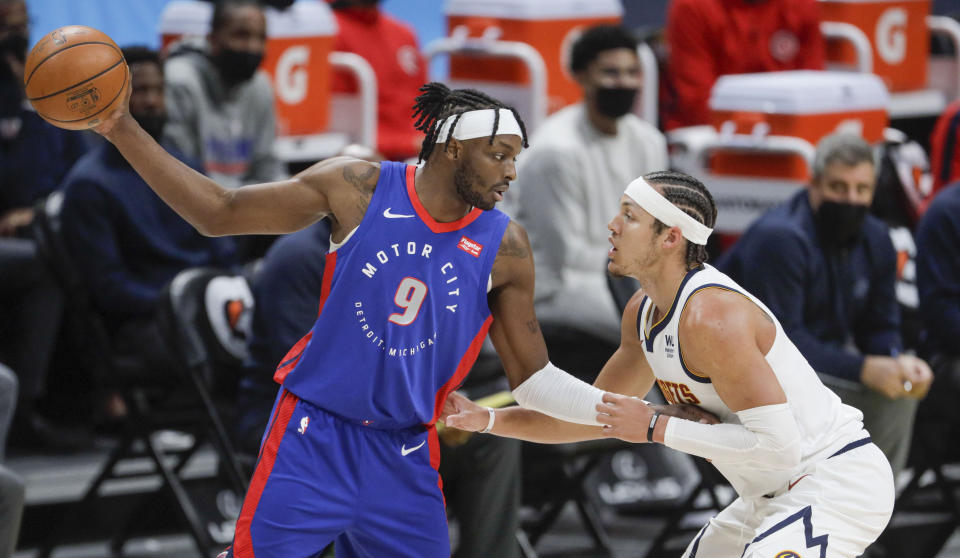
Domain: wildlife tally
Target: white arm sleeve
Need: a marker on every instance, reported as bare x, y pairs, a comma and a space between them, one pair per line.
768, 437
554, 392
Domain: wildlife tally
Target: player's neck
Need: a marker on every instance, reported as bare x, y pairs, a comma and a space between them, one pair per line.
432, 187
662, 284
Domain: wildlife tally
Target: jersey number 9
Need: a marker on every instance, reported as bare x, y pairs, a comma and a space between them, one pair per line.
410, 295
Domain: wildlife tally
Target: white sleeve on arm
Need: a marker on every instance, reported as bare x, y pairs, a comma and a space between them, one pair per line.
554, 392
768, 436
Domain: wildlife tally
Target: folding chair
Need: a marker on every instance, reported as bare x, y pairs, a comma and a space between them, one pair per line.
927, 510
152, 408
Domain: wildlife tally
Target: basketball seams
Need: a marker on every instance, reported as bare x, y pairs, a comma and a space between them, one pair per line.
78, 84
64, 49
123, 86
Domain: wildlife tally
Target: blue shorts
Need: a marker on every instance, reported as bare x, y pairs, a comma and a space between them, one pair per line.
320, 478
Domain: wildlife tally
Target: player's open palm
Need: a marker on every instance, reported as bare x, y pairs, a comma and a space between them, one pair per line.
460, 412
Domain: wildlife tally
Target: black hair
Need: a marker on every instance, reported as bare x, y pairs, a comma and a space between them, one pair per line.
598, 39
693, 198
437, 101
138, 54
222, 9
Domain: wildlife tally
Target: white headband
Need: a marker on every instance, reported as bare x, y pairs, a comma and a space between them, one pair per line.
479, 124
672, 216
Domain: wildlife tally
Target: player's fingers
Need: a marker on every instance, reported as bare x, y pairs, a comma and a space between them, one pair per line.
613, 398
605, 419
606, 408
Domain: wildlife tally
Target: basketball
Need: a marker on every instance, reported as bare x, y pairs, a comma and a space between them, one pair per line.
74, 77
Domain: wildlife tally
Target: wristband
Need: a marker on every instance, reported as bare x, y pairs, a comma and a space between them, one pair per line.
653, 424
493, 418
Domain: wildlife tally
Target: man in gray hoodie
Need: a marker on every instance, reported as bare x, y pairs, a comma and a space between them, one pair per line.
220, 108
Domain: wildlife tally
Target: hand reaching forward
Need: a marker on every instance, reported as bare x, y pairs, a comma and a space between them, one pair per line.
460, 412
628, 418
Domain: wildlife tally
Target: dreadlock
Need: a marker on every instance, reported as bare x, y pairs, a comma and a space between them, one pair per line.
693, 198
437, 102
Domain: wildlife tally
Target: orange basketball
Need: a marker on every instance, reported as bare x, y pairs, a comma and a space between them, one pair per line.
74, 77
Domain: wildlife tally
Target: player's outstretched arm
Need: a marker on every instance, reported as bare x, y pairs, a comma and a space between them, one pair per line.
625, 372
725, 337
272, 208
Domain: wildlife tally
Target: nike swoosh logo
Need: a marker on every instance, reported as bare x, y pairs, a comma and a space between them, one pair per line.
794, 483
388, 215
404, 451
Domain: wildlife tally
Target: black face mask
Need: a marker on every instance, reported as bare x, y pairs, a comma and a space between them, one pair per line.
237, 66
615, 101
11, 90
152, 123
11, 93
839, 224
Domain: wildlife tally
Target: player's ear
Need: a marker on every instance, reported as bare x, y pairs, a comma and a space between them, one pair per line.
453, 149
674, 237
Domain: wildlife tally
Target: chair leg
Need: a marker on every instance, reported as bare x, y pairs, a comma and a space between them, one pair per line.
526, 548
120, 452
220, 438
591, 520
172, 481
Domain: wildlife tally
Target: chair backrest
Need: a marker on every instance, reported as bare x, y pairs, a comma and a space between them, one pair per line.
206, 315
47, 231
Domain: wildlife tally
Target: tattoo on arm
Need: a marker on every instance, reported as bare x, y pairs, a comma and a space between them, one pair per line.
533, 326
364, 183
512, 245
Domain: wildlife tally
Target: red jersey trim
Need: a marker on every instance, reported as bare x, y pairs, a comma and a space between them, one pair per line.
243, 543
290, 360
433, 224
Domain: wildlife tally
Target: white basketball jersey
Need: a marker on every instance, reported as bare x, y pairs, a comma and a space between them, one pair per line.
825, 423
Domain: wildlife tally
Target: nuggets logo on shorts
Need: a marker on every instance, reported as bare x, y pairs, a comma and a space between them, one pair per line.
787, 554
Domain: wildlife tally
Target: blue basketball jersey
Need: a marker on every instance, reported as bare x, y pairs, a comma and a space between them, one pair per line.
403, 310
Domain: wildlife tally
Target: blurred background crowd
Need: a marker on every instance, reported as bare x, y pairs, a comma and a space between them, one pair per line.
827, 130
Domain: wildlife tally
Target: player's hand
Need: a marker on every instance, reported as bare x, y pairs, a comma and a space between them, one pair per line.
15, 219
687, 412
626, 418
883, 374
916, 376
120, 114
453, 437
460, 412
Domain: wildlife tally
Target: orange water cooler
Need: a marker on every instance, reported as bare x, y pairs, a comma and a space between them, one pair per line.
549, 26
299, 42
758, 150
898, 35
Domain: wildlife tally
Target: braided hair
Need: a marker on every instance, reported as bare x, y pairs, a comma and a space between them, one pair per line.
693, 198
437, 102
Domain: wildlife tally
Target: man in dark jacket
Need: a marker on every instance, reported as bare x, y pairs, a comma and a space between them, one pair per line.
827, 269
127, 242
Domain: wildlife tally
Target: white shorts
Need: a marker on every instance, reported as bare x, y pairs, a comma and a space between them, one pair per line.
834, 509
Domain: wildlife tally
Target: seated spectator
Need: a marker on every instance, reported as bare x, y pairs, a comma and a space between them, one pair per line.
938, 278
390, 46
220, 107
11, 486
569, 183
710, 38
34, 157
827, 269
483, 471
945, 150
129, 241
